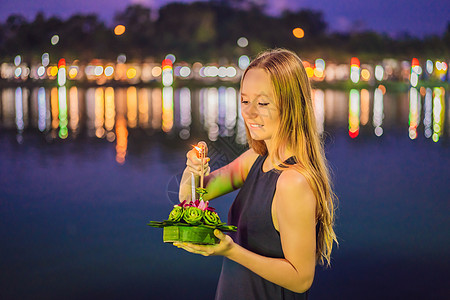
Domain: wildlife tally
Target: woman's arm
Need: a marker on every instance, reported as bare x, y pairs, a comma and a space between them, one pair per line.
219, 182
295, 206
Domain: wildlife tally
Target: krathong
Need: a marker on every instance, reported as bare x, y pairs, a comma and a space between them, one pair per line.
193, 221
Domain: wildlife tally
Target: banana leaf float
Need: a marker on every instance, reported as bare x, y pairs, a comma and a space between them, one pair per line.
192, 222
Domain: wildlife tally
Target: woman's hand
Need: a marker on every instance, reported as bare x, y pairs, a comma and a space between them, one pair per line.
223, 248
194, 164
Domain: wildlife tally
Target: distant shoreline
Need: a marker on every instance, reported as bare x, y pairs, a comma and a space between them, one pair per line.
391, 86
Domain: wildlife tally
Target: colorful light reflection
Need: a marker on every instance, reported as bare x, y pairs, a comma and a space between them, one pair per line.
62, 100
353, 116
438, 112
378, 111
414, 112
167, 109
354, 70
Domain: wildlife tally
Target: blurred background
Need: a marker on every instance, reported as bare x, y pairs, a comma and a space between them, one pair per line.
101, 100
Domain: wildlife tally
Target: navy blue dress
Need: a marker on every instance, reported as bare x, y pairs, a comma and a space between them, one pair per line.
251, 213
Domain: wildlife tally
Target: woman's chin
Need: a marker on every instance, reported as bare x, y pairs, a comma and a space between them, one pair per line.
257, 137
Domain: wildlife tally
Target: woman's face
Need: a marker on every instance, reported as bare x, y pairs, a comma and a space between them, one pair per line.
258, 104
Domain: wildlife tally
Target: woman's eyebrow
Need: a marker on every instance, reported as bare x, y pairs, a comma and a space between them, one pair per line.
260, 94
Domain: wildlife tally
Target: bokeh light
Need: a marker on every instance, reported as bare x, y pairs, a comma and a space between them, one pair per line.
167, 109
414, 112
156, 71
63, 120
167, 70
73, 72
185, 71
17, 60
318, 73
98, 70
231, 72
379, 72
243, 62
62, 72
309, 72
427, 120
73, 109
298, 33
55, 39
320, 64
132, 106
121, 58
42, 110
171, 57
365, 103
353, 116
242, 42
131, 73
354, 69
41, 71
53, 71
109, 71
429, 66
18, 72
438, 112
119, 30
45, 59
365, 74
378, 111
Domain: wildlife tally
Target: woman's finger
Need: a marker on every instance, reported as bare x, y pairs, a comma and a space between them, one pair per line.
198, 168
194, 166
194, 171
192, 155
193, 249
219, 234
193, 163
194, 159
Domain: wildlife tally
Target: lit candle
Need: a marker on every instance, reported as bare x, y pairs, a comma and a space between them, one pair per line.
202, 157
201, 175
193, 186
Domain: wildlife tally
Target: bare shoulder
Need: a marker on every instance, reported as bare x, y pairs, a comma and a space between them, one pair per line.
293, 187
246, 161
249, 153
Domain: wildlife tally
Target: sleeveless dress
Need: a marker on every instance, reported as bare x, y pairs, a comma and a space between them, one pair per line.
251, 213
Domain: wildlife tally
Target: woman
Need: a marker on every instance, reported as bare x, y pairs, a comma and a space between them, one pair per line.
284, 210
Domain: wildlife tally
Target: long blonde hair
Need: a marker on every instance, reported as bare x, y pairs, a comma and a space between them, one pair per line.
297, 128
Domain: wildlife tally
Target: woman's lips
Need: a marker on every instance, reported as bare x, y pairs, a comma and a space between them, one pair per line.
254, 125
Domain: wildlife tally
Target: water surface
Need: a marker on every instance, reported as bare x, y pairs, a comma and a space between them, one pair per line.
76, 192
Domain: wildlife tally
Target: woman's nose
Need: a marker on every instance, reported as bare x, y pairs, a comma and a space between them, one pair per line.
250, 110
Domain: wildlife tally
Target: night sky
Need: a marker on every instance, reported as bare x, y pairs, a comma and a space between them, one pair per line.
418, 17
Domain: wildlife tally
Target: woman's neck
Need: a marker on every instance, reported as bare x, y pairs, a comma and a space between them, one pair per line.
285, 152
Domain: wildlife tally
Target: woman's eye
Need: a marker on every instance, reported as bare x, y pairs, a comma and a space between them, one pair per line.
263, 104
244, 101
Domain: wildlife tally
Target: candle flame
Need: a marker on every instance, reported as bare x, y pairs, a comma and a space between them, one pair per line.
198, 149
201, 151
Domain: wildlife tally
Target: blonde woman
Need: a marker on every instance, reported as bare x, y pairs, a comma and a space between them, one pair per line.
284, 209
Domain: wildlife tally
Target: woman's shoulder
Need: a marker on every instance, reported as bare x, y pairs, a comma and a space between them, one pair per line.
247, 159
292, 182
292, 175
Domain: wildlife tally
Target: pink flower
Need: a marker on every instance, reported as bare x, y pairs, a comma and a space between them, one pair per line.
203, 205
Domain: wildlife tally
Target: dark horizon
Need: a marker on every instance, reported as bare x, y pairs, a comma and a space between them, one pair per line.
207, 32
397, 19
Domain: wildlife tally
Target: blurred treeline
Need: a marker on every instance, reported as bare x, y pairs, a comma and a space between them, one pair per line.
203, 31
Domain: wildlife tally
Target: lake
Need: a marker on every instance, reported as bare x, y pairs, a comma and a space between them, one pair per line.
82, 171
